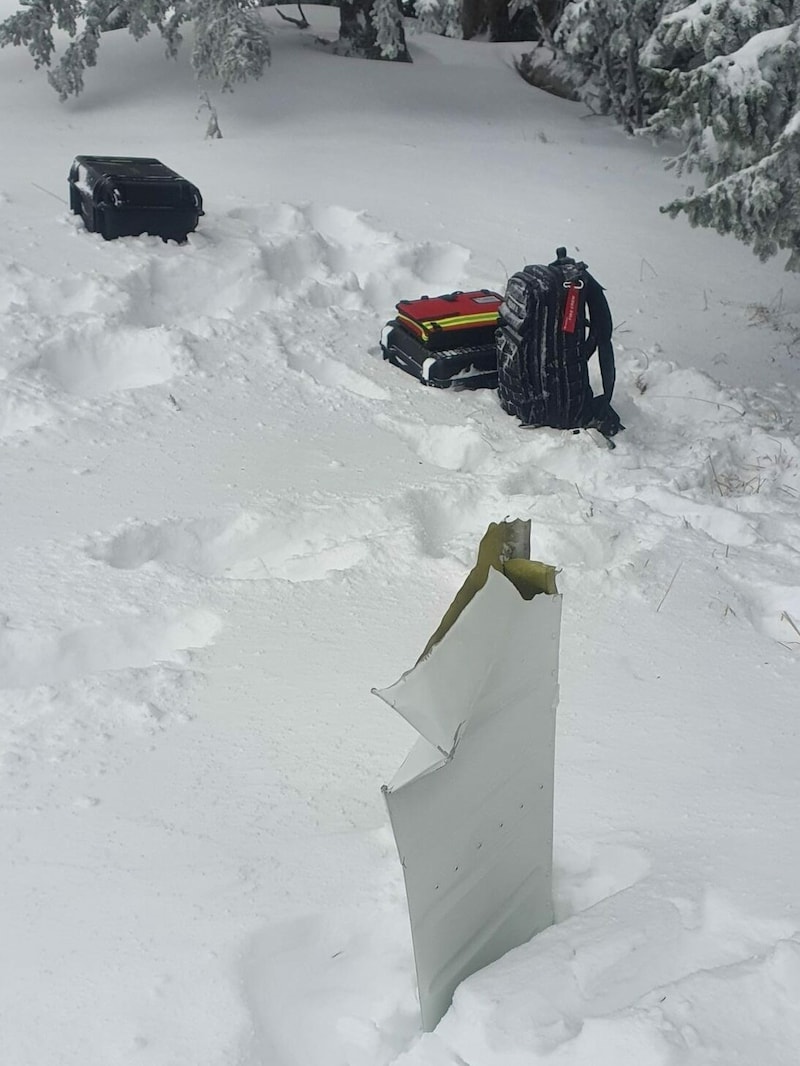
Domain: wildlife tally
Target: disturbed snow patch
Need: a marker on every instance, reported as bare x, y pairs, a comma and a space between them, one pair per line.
32, 656
329, 962
640, 980
450, 447
81, 717
280, 257
88, 359
91, 335
332, 256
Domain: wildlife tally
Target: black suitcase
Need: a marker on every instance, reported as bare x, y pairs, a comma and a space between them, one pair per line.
446, 340
126, 196
471, 366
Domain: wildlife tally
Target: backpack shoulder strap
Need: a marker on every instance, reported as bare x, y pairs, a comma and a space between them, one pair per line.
601, 327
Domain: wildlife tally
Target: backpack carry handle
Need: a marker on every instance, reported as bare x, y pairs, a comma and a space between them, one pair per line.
570, 268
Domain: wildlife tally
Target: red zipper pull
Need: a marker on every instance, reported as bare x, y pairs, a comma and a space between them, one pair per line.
570, 317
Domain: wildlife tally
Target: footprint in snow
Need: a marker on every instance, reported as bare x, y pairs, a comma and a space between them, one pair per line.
296, 548
444, 522
94, 358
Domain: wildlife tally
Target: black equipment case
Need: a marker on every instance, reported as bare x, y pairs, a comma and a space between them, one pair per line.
446, 340
126, 196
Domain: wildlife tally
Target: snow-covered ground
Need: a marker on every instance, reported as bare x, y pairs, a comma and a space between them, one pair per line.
224, 519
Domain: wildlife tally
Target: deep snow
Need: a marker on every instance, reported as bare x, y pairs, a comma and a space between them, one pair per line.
225, 519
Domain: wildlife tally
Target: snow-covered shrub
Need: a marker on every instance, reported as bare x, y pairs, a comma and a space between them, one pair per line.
231, 42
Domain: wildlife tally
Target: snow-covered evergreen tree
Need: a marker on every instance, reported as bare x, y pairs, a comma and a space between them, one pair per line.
372, 29
603, 41
440, 16
758, 204
231, 41
689, 34
721, 75
389, 34
731, 78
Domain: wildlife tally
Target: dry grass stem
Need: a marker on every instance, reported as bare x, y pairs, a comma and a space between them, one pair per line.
669, 587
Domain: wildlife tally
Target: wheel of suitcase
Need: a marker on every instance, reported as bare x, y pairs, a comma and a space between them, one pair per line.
104, 225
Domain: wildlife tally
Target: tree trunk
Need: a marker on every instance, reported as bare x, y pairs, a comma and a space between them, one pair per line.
473, 18
358, 35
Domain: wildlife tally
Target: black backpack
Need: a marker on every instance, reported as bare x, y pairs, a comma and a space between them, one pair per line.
551, 321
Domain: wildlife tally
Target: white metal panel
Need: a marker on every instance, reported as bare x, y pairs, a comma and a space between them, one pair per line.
475, 830
422, 758
439, 694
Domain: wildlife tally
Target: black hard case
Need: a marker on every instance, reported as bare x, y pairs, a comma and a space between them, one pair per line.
126, 196
468, 366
